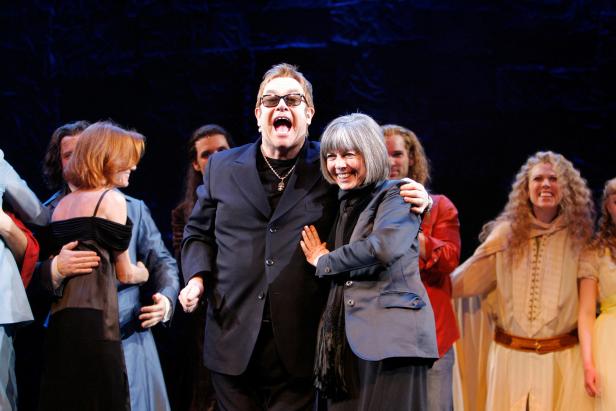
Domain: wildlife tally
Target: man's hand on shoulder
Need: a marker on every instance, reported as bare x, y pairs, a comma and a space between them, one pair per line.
416, 195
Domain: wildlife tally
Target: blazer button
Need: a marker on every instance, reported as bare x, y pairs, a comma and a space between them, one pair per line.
269, 262
328, 270
261, 296
350, 303
348, 283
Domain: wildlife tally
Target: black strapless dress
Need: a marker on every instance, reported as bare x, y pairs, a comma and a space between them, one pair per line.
85, 367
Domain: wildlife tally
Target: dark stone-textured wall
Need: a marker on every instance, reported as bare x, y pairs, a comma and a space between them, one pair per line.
483, 83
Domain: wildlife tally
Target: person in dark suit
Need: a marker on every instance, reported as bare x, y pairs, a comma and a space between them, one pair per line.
240, 249
377, 336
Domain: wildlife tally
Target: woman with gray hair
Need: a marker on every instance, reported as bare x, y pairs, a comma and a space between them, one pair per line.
377, 336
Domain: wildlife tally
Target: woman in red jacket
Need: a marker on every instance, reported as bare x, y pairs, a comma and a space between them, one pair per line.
439, 247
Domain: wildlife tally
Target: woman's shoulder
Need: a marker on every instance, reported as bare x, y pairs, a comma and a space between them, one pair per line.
109, 205
388, 185
76, 203
113, 197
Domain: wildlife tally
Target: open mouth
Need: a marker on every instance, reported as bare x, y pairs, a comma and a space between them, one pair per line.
282, 124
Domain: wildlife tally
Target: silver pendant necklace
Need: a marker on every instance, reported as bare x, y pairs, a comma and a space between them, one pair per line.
281, 184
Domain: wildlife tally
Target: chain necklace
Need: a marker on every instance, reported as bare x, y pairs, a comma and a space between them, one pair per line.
281, 183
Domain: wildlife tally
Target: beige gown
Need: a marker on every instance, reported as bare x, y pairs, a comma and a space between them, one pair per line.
534, 296
603, 269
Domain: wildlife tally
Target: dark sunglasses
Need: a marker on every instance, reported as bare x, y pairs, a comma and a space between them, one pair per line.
291, 100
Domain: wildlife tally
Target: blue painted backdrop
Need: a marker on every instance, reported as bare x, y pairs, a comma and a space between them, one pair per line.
483, 83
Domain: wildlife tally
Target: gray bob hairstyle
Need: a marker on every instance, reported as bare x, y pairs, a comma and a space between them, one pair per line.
357, 132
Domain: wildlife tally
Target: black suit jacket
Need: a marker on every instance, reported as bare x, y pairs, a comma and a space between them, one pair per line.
249, 255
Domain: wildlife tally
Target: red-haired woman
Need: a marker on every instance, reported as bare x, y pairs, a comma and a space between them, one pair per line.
85, 365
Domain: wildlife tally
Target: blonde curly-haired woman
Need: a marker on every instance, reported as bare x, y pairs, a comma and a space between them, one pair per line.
527, 267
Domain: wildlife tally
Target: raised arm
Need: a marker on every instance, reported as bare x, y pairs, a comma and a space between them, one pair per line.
17, 193
386, 241
22, 244
13, 236
416, 195
477, 275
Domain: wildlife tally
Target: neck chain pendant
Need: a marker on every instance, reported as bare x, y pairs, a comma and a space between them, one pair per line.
281, 185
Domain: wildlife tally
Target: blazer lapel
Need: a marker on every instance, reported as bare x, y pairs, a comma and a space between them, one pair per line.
366, 217
307, 174
245, 175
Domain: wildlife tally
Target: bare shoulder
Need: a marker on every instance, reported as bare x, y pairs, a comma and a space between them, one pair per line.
113, 207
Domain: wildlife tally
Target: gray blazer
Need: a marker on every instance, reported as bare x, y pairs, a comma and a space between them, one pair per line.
387, 310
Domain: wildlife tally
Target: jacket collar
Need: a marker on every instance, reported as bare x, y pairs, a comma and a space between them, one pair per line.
306, 175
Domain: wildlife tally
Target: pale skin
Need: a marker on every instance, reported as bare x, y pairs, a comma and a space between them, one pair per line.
285, 142
544, 192
81, 203
207, 146
312, 246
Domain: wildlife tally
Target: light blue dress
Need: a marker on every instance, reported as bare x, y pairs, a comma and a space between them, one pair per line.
14, 307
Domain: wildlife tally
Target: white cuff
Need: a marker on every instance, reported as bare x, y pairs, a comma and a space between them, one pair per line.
56, 277
168, 313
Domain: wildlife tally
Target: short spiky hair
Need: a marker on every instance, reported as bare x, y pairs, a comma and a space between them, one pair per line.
420, 170
103, 150
52, 162
286, 70
576, 205
361, 133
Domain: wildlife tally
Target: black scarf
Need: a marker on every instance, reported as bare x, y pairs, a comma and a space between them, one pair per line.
331, 374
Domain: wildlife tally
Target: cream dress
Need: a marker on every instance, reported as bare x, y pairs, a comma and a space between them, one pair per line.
532, 295
603, 269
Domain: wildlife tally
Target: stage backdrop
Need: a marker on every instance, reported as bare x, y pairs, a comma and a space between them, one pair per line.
484, 84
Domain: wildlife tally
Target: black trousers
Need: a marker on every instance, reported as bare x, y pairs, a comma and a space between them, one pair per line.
392, 384
266, 384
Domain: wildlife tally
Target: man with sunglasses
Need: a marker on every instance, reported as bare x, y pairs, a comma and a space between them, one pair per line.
241, 247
